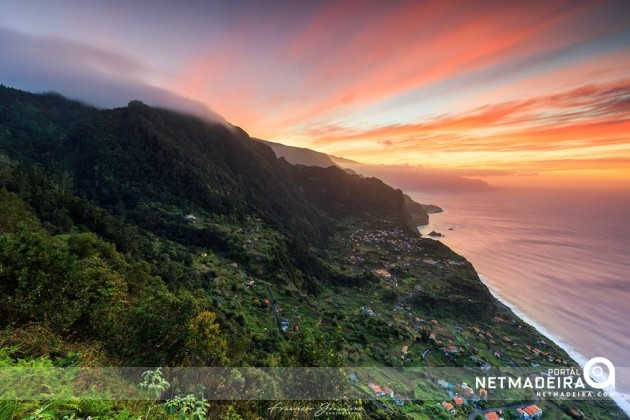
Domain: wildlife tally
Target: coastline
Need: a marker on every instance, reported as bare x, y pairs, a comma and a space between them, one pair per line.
579, 358
576, 356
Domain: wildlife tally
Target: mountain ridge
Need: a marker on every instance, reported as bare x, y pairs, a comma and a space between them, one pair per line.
403, 176
211, 165
308, 157
138, 236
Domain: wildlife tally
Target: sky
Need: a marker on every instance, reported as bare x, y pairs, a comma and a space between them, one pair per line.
507, 91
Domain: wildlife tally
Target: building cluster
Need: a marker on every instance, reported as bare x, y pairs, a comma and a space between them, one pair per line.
392, 240
465, 396
450, 350
529, 412
385, 391
381, 272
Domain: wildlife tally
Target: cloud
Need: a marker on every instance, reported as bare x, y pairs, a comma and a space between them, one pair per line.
93, 75
577, 125
342, 58
495, 85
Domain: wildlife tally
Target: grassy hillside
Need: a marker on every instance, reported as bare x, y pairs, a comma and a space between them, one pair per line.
142, 237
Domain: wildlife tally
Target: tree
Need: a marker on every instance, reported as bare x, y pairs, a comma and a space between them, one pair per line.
34, 280
205, 345
48, 280
6, 168
104, 298
13, 212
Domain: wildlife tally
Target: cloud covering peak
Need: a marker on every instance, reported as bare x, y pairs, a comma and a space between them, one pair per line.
90, 74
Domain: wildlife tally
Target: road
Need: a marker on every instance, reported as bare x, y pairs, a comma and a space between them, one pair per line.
274, 308
426, 361
403, 299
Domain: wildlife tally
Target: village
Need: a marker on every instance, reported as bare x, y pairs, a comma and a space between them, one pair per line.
461, 399
390, 318
502, 343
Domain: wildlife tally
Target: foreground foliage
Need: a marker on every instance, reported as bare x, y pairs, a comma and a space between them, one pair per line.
140, 237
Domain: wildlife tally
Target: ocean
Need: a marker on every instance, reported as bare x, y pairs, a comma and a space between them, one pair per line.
559, 259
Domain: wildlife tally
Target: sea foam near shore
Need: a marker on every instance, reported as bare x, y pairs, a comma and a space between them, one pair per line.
619, 398
558, 258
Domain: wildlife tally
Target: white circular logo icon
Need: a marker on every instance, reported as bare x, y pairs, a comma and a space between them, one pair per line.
594, 375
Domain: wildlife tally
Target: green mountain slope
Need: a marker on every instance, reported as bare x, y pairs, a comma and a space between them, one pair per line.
128, 156
142, 237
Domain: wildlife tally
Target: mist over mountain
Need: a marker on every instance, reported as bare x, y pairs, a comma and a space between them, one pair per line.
93, 75
405, 177
419, 178
300, 155
158, 261
307, 157
139, 236
126, 157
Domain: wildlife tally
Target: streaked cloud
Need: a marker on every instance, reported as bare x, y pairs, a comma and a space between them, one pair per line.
487, 85
581, 125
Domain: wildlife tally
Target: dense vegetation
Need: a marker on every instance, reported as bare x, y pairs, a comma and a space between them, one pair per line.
97, 261
142, 237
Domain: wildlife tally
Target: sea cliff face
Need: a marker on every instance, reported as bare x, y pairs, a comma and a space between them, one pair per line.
306, 157
142, 237
417, 211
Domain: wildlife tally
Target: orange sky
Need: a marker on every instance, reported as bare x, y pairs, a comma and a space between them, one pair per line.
582, 132
542, 92
538, 90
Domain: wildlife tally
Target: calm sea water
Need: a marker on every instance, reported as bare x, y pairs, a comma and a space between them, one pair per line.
560, 259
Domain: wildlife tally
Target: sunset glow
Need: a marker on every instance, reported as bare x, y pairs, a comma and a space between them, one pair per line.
524, 91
